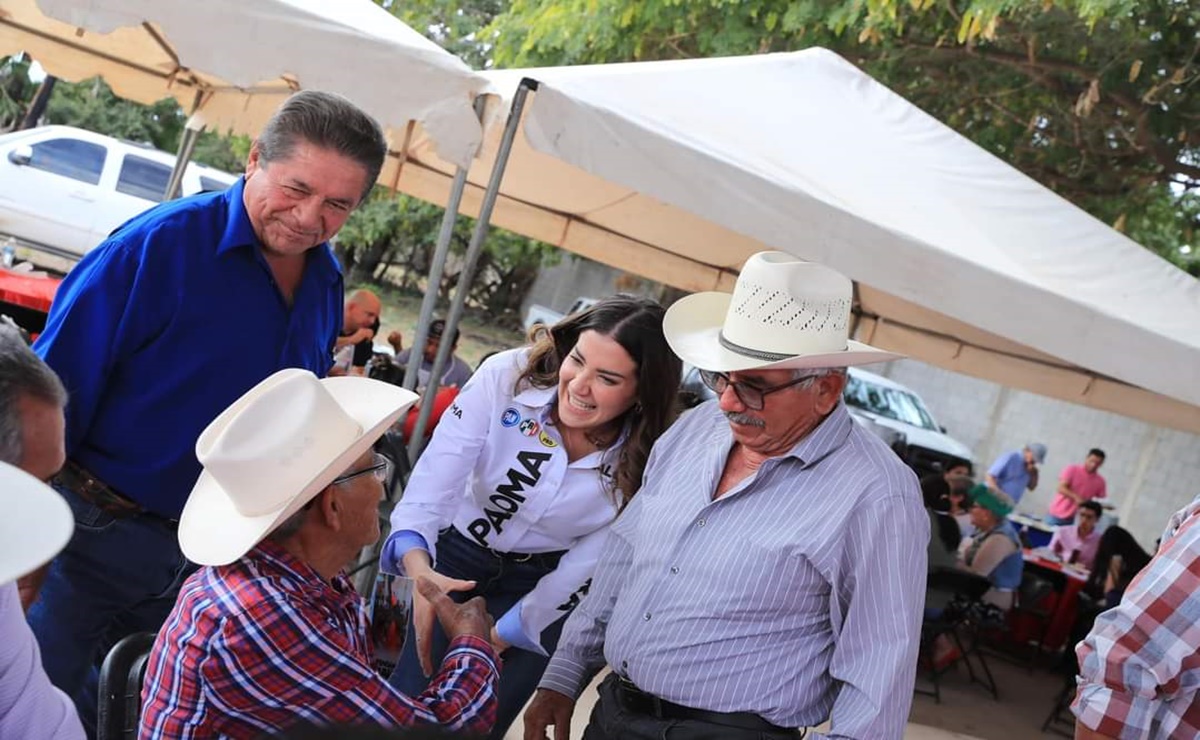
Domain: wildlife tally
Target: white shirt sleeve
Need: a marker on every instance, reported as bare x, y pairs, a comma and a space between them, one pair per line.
580, 652
562, 588
438, 483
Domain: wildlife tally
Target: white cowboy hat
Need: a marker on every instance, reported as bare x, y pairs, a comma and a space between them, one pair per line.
784, 313
37, 523
273, 450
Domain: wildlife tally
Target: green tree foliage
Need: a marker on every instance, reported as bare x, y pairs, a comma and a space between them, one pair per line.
455, 25
392, 238
1096, 99
16, 90
92, 105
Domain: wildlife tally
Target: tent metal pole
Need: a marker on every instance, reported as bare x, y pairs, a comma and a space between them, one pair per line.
437, 266
187, 145
471, 261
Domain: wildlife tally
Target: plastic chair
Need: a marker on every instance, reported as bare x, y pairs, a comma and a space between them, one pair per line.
120, 691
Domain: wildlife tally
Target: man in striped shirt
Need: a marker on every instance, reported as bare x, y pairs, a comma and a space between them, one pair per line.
770, 573
270, 633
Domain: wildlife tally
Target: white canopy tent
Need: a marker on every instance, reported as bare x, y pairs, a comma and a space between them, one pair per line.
678, 171
232, 62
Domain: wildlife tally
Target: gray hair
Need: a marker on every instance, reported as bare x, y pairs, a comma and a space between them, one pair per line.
329, 121
811, 374
817, 372
22, 375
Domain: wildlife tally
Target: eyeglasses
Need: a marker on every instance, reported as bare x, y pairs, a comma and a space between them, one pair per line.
380, 466
751, 396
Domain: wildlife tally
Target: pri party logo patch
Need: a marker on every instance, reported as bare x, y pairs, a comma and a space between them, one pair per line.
510, 418
529, 427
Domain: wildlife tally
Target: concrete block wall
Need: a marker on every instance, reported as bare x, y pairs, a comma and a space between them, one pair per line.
1151, 471
558, 286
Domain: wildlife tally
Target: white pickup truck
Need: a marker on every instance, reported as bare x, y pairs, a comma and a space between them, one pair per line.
891, 411
64, 189
539, 314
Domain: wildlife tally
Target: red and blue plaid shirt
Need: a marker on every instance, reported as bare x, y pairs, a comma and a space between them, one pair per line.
265, 643
1139, 668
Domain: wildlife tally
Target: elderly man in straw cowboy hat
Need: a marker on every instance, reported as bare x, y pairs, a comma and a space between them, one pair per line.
770, 573
271, 633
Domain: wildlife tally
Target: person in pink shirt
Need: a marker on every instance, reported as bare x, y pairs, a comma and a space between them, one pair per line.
1077, 543
1078, 483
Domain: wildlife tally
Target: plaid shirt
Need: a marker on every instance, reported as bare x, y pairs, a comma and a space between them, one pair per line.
265, 643
1140, 665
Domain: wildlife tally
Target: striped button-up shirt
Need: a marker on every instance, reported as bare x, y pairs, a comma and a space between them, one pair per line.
265, 642
796, 596
1139, 668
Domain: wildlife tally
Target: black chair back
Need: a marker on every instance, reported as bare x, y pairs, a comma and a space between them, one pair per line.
1033, 590
958, 582
121, 676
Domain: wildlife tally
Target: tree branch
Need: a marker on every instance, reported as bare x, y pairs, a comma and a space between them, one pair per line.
1165, 156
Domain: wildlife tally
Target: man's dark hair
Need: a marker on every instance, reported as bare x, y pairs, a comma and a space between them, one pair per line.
1093, 507
437, 327
1097, 452
330, 122
22, 375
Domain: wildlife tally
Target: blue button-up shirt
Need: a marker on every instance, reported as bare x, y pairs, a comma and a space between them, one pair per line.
1011, 474
166, 323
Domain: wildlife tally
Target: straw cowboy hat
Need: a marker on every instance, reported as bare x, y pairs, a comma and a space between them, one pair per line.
275, 449
784, 313
37, 523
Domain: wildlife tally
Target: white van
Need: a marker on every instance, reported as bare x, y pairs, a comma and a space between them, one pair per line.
64, 189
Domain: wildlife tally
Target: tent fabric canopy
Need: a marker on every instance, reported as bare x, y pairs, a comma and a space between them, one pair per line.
678, 171
233, 62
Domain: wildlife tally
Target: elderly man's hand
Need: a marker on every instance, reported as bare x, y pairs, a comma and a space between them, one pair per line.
468, 618
549, 708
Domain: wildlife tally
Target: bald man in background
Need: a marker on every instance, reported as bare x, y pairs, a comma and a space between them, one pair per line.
360, 323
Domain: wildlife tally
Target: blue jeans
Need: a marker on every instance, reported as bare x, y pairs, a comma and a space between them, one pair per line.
1059, 521
115, 577
501, 584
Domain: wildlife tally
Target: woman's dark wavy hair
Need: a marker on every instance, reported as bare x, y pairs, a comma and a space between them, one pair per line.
936, 492
636, 324
1116, 541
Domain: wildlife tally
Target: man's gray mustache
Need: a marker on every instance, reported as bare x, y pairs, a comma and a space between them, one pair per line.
745, 419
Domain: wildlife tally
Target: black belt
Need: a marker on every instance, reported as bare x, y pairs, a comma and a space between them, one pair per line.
639, 702
547, 560
83, 483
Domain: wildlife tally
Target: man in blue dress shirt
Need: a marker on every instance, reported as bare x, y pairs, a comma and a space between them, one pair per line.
172, 318
1017, 471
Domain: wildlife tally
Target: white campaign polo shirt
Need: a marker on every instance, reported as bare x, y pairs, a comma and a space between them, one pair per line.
496, 470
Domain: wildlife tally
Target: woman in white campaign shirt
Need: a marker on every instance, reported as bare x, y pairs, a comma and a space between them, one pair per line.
514, 495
